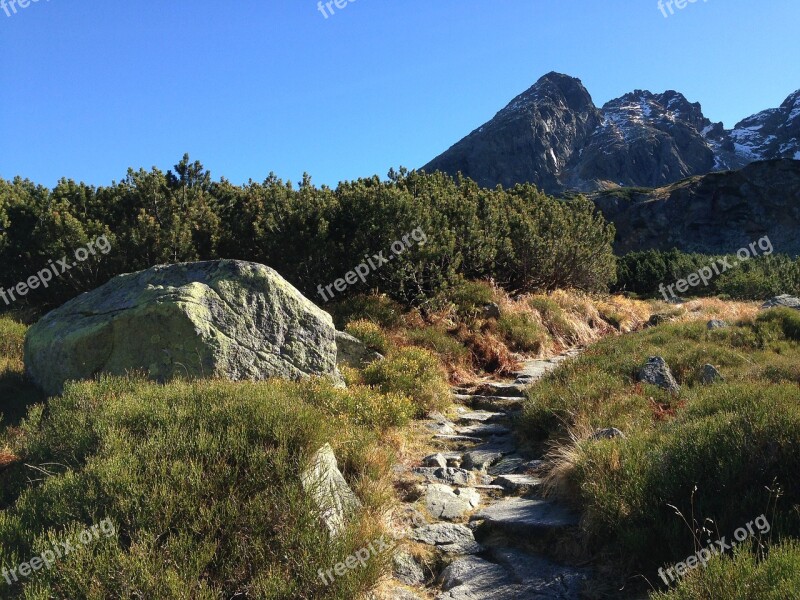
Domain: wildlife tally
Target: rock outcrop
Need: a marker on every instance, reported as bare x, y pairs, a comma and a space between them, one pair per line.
225, 318
336, 502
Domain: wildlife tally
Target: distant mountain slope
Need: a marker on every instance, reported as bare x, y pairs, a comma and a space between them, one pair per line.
713, 213
554, 136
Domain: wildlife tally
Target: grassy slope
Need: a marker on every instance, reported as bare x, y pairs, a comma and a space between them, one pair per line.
727, 452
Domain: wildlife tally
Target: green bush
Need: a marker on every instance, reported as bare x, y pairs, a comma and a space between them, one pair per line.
469, 297
434, 338
201, 481
521, 332
378, 309
412, 372
521, 238
370, 334
787, 319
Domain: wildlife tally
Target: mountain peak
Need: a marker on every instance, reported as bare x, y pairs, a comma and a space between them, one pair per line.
553, 135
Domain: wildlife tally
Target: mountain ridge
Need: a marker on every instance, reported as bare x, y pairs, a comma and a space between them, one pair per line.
554, 136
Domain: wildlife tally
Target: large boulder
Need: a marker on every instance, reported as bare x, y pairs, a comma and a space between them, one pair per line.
225, 318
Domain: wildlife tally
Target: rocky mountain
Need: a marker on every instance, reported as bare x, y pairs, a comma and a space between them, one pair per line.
714, 213
554, 136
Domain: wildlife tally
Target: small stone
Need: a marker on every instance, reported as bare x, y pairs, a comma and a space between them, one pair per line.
452, 538
523, 484
710, 375
716, 324
443, 502
435, 460
326, 485
609, 433
658, 319
480, 460
406, 569
446, 475
491, 311
657, 372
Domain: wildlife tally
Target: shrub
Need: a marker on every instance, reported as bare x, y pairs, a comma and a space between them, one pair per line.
369, 333
469, 297
378, 309
521, 332
449, 349
787, 319
553, 317
412, 372
201, 481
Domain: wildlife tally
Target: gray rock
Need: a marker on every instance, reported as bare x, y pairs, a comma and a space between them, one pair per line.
326, 485
446, 475
225, 318
658, 319
406, 569
444, 502
784, 300
541, 577
716, 324
657, 372
480, 460
710, 375
484, 430
519, 484
609, 433
525, 517
352, 352
481, 577
435, 460
509, 464
451, 538
490, 311
481, 416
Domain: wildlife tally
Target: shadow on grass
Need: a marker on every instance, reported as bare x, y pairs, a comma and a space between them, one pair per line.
17, 393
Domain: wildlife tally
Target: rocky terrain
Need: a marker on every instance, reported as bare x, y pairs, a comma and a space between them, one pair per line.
554, 136
495, 533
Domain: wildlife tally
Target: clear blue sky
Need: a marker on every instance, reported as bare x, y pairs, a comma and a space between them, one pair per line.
91, 87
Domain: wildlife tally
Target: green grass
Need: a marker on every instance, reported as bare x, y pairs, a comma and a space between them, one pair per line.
727, 452
202, 482
521, 332
412, 372
437, 339
370, 334
745, 576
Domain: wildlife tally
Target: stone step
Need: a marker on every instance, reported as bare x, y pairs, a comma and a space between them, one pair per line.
496, 388
491, 403
525, 518
447, 475
457, 438
483, 430
451, 538
518, 484
510, 575
480, 416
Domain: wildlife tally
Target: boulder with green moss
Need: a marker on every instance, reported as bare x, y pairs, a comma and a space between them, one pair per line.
230, 319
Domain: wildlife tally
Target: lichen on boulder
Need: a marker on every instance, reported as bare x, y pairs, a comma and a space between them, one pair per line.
230, 319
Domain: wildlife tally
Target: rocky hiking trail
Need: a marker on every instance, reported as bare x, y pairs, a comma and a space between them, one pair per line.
477, 505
